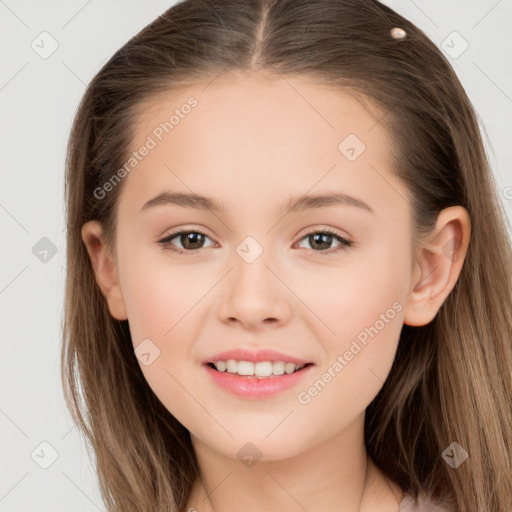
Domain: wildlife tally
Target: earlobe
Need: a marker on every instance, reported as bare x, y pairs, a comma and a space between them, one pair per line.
104, 267
438, 265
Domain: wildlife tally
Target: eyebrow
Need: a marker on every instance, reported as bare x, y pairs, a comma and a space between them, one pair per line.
295, 204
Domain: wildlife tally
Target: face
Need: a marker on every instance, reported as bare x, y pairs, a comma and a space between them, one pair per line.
325, 282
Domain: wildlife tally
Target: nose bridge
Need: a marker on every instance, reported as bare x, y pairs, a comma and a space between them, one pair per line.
252, 262
254, 293
250, 250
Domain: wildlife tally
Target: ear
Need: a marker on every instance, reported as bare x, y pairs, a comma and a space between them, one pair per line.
439, 263
104, 266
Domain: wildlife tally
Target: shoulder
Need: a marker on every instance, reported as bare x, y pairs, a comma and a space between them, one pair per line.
423, 504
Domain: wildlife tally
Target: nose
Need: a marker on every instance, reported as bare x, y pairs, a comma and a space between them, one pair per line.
254, 295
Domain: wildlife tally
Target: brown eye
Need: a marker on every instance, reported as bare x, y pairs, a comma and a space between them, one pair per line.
320, 241
190, 241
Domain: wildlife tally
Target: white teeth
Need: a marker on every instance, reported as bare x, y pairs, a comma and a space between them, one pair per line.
221, 366
261, 369
289, 367
232, 366
245, 368
278, 367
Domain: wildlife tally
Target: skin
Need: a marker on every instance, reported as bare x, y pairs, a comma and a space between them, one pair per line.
252, 143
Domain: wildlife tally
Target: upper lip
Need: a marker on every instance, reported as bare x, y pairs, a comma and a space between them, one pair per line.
255, 356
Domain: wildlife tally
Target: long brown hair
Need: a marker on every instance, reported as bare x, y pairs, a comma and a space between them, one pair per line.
451, 380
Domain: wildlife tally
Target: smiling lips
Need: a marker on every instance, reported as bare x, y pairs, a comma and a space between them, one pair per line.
255, 375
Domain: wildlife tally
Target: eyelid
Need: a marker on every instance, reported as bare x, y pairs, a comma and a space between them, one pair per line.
325, 228
175, 231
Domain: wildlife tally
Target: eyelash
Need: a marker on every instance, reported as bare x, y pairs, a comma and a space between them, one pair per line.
344, 243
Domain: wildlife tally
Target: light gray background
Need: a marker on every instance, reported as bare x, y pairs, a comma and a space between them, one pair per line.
38, 99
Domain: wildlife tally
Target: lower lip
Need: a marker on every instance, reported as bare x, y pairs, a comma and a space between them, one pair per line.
254, 387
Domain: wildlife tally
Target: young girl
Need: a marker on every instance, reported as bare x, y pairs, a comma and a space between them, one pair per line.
288, 269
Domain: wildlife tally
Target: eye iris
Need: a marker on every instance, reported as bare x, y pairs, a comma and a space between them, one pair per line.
193, 238
318, 238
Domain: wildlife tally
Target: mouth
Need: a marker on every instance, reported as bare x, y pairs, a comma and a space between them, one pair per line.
247, 382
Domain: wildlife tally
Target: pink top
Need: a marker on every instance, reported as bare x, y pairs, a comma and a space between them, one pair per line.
423, 505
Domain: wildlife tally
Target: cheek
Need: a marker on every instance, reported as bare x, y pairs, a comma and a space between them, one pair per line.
368, 290
361, 309
160, 294
359, 358
163, 302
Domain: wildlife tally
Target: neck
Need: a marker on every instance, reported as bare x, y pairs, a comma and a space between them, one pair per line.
334, 475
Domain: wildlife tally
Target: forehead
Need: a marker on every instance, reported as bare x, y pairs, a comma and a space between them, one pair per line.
290, 105
258, 135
